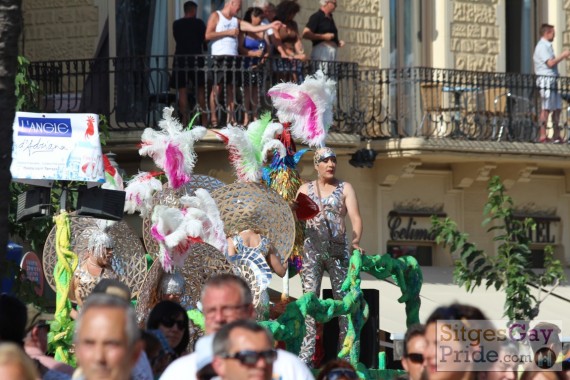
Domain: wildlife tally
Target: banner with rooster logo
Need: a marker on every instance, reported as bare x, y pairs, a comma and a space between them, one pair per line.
60, 146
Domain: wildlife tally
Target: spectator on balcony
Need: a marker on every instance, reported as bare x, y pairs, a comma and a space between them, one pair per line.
254, 47
223, 29
322, 31
546, 67
190, 34
268, 17
288, 42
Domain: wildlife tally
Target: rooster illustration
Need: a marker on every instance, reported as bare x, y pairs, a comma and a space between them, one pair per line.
90, 131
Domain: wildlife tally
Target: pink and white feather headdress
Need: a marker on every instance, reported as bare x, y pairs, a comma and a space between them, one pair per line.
308, 107
249, 147
172, 148
140, 190
176, 230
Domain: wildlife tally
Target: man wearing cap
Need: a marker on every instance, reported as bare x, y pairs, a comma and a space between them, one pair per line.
35, 342
326, 245
226, 298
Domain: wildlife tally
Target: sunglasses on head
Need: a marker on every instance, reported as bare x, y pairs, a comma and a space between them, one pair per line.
169, 322
338, 373
251, 357
416, 358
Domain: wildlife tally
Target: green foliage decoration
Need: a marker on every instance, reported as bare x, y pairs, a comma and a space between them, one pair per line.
509, 270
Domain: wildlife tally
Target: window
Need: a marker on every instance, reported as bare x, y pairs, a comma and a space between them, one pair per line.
422, 253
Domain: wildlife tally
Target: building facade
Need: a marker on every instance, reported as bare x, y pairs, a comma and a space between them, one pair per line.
437, 149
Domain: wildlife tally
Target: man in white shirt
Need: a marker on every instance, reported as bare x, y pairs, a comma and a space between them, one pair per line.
227, 298
222, 31
546, 68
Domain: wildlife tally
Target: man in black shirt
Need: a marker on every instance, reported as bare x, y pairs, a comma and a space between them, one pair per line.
189, 34
322, 30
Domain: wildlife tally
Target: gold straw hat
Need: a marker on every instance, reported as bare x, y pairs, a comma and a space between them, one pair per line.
248, 205
129, 261
203, 262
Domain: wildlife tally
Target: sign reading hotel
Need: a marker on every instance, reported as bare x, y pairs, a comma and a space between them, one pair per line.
56, 147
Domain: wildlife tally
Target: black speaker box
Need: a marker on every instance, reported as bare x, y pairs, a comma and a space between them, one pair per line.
101, 203
33, 203
369, 345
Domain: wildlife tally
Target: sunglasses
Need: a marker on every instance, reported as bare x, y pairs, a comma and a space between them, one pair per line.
416, 358
251, 357
339, 373
169, 322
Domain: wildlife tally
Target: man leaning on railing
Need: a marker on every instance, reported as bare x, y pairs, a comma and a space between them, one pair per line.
223, 29
546, 68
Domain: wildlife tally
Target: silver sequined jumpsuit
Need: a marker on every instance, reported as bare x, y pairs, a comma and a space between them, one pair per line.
316, 259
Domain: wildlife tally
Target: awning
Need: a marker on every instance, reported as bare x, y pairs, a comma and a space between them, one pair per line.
439, 290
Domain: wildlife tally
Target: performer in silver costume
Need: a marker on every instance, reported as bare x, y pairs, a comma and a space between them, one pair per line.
326, 245
97, 265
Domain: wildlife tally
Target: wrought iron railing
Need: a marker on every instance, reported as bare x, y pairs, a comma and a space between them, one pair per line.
132, 91
372, 103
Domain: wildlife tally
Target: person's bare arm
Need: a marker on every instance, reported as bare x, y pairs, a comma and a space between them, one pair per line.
353, 213
309, 35
247, 27
231, 247
211, 33
275, 263
556, 60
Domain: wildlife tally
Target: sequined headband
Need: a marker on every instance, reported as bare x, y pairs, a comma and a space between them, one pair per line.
322, 154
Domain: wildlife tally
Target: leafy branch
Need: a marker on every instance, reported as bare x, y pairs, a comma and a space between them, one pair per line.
509, 269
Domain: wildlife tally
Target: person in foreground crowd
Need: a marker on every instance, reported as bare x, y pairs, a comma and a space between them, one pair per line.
36, 341
107, 339
413, 356
459, 371
244, 350
226, 298
337, 370
15, 364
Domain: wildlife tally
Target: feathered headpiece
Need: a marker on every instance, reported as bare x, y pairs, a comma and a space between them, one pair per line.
308, 107
139, 192
100, 240
172, 148
176, 230
249, 147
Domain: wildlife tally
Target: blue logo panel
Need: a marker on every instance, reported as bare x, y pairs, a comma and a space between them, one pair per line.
42, 127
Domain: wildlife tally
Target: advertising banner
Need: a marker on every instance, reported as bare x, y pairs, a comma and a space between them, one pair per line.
51, 147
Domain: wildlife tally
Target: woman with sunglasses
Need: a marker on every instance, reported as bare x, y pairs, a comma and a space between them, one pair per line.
326, 245
172, 321
337, 370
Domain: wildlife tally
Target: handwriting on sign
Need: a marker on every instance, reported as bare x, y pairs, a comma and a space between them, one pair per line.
33, 146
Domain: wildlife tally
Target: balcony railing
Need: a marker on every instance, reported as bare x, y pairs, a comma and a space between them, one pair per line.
372, 103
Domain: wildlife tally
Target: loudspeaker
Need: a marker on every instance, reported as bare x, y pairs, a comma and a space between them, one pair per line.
101, 203
369, 345
34, 202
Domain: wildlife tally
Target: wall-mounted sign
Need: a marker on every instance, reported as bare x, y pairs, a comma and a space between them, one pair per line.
409, 227
50, 147
33, 267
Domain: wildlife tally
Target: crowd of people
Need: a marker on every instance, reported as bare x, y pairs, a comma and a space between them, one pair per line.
109, 344
266, 31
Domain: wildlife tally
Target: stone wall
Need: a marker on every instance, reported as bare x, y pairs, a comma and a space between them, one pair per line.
475, 35
360, 26
59, 29
565, 33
